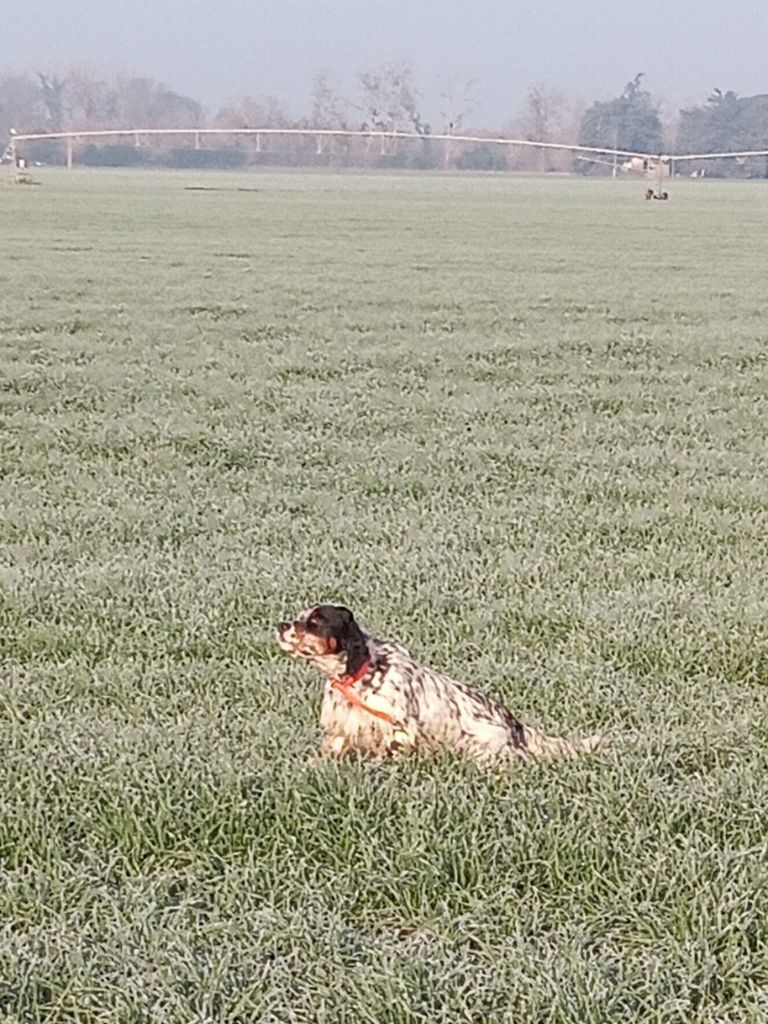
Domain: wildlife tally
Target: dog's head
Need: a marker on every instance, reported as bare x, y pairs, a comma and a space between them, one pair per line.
328, 636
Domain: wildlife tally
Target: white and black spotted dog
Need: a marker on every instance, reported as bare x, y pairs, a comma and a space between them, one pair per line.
378, 701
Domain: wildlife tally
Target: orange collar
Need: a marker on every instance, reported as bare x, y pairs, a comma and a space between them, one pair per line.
345, 684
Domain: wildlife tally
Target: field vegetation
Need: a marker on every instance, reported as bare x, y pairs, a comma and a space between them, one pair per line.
521, 425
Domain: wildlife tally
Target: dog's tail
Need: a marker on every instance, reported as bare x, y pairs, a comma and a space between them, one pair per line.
547, 748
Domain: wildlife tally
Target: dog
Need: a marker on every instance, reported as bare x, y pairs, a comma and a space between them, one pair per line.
379, 702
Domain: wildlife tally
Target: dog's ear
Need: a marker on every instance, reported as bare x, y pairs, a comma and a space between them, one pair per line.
349, 636
353, 643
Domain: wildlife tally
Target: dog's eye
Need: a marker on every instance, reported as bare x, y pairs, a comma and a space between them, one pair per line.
311, 619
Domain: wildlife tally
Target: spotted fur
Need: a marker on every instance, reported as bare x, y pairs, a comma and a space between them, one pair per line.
430, 711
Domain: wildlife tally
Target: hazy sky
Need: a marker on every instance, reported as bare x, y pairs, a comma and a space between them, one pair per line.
220, 49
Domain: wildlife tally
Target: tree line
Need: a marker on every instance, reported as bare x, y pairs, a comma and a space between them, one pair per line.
386, 99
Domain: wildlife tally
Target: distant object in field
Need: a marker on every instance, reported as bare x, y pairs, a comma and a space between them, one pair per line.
648, 166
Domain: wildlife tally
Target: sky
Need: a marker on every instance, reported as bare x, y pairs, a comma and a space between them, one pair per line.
223, 49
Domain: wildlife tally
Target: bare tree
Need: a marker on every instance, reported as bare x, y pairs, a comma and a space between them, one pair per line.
329, 109
541, 119
259, 112
390, 103
53, 93
21, 106
144, 103
391, 100
252, 112
546, 115
541, 113
92, 100
456, 103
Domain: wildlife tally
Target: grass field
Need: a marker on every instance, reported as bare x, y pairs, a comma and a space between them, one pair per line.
522, 425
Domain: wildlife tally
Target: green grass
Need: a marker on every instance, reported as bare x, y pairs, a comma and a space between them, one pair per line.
521, 425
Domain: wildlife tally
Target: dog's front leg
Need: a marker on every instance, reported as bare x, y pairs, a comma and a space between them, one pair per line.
332, 745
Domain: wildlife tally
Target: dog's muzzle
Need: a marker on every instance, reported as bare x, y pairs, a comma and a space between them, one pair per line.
286, 636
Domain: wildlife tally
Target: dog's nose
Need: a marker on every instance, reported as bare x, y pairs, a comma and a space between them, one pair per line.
283, 626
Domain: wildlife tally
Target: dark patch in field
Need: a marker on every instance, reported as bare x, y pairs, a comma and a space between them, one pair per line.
431, 327
755, 360
219, 188
610, 406
268, 332
73, 326
217, 311
76, 326
208, 451
34, 328
290, 373
339, 370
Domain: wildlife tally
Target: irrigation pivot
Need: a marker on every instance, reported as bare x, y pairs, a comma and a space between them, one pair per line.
655, 165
